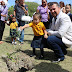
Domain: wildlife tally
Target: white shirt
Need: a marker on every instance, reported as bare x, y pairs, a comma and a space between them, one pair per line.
62, 28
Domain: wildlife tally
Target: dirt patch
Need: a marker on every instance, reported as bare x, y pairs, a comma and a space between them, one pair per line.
18, 62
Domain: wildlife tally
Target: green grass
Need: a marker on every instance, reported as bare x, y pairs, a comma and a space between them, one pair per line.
44, 65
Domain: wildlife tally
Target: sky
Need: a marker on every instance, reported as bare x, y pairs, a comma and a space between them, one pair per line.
12, 2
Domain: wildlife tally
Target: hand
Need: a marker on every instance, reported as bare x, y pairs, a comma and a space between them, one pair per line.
46, 36
47, 12
63, 10
23, 8
21, 28
7, 22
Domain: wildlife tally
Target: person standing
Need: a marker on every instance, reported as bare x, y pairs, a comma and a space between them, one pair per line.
60, 33
44, 11
62, 6
21, 9
13, 30
68, 10
4, 13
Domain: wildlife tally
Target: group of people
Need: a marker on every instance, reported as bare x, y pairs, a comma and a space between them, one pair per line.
51, 25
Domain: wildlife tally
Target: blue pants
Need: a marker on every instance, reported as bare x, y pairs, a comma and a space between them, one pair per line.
21, 23
56, 44
22, 36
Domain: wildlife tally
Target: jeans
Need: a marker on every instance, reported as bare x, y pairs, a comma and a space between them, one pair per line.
21, 23
22, 36
55, 43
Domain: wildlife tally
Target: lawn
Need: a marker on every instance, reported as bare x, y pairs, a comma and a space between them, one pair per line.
44, 65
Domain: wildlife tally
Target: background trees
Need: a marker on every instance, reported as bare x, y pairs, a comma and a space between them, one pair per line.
32, 6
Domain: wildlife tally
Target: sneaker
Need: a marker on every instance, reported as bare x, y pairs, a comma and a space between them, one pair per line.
15, 43
12, 42
58, 60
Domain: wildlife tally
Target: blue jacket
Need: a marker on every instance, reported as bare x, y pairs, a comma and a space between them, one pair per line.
70, 15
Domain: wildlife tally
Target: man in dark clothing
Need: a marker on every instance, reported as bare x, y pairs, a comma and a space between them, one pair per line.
21, 9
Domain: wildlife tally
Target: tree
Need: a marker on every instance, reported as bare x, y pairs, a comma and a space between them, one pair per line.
71, 9
11, 10
32, 7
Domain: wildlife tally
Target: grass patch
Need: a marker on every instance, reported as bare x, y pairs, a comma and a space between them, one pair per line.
44, 65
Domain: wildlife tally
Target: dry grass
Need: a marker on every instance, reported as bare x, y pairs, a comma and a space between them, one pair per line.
44, 65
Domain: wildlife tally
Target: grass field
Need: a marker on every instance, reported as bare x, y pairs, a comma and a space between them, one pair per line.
44, 65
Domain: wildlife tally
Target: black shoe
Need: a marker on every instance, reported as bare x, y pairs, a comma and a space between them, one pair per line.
41, 57
32, 55
58, 60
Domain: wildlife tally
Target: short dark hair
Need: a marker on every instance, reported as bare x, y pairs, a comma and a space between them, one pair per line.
69, 5
61, 2
16, 0
38, 15
51, 3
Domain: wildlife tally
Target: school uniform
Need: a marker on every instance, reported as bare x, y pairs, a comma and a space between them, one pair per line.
38, 40
13, 30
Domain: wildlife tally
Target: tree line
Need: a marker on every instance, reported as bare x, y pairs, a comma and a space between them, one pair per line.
32, 7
